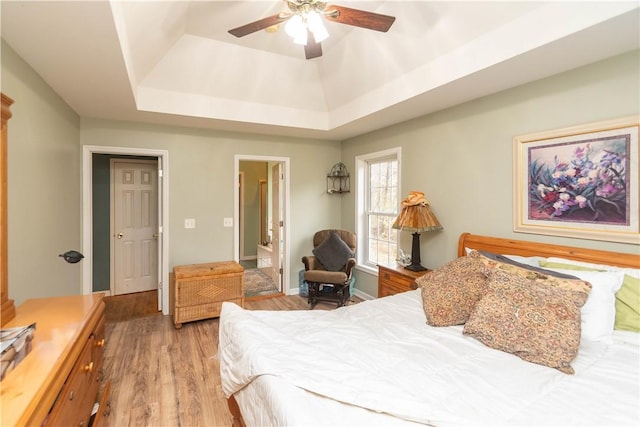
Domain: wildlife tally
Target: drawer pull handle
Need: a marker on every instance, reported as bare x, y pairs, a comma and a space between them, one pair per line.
88, 368
72, 394
100, 343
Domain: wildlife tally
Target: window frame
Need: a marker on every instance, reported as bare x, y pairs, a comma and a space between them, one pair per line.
362, 194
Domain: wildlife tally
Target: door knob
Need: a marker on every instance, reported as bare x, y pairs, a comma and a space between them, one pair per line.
72, 256
120, 235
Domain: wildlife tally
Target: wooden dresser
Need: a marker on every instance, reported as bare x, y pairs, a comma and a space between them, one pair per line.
8, 310
199, 290
60, 380
395, 279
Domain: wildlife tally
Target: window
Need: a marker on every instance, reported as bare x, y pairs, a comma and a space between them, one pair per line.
378, 189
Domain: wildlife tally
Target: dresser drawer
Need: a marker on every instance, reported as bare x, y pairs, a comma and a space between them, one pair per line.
97, 346
73, 405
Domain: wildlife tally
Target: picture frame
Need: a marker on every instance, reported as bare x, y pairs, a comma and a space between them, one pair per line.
579, 182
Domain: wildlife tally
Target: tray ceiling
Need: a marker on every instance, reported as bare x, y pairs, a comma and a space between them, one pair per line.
174, 62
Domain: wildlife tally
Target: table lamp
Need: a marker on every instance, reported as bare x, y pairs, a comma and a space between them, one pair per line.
416, 216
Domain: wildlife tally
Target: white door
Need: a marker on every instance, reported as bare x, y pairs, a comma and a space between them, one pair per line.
276, 225
134, 225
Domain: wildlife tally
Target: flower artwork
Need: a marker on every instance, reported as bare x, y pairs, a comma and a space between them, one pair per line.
580, 181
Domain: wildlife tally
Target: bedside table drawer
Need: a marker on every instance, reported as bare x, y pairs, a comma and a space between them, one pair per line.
396, 279
387, 287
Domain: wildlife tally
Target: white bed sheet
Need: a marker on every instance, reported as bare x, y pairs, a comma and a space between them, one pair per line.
396, 370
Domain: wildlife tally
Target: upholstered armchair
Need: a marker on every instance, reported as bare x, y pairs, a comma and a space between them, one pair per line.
328, 271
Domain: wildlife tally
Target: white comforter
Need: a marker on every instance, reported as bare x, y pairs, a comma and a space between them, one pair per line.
378, 362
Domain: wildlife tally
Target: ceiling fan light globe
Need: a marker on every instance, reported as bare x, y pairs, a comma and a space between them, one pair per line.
301, 39
295, 26
314, 20
316, 26
320, 35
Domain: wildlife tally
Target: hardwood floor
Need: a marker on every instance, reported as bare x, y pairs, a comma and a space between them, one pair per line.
162, 376
129, 306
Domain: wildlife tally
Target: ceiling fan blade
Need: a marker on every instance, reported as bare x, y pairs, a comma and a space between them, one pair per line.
258, 25
312, 49
359, 18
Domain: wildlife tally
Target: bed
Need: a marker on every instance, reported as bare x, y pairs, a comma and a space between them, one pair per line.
381, 362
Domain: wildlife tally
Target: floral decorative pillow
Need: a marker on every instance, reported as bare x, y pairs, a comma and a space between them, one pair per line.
528, 318
450, 292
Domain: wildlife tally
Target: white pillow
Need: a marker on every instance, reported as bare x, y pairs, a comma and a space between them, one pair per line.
533, 261
598, 314
633, 272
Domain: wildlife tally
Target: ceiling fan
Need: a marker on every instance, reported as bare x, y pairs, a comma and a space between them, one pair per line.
304, 22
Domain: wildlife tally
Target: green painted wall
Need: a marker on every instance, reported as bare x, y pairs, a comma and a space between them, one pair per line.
461, 158
201, 175
44, 185
46, 139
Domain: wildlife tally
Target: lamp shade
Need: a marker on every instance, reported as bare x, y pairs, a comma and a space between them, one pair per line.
416, 215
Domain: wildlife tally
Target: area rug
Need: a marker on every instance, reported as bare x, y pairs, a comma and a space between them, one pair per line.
257, 282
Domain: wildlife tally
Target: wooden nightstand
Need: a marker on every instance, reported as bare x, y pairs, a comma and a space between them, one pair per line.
395, 279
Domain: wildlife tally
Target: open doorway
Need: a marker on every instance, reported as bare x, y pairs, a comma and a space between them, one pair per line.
261, 232
92, 247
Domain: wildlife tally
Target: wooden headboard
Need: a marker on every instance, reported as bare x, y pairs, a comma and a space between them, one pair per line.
523, 248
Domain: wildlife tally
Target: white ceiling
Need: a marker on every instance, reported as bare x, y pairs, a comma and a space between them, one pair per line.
174, 62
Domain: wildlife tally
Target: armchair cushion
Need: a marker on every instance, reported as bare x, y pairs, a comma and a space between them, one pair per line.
333, 253
328, 277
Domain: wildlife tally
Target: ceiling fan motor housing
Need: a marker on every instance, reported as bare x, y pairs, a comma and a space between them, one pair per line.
305, 6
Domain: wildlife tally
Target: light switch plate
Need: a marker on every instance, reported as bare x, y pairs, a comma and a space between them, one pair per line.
228, 222
190, 223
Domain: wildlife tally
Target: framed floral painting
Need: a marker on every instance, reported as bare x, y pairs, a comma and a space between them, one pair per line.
579, 182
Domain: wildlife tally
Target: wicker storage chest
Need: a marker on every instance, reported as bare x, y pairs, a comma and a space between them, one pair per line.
200, 289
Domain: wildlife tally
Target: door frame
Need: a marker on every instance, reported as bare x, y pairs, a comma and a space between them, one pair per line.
240, 221
285, 215
163, 214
